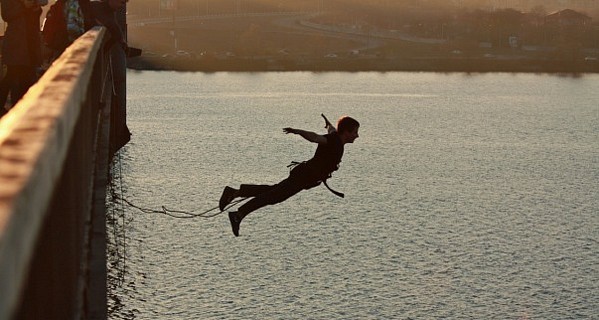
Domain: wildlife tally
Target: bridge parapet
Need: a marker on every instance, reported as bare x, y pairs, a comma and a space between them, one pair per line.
53, 160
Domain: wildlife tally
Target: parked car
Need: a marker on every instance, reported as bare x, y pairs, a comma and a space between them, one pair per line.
183, 54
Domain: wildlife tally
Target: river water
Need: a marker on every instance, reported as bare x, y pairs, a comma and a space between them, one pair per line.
468, 196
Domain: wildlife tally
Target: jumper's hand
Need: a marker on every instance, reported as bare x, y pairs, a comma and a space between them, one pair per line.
289, 130
326, 121
327, 124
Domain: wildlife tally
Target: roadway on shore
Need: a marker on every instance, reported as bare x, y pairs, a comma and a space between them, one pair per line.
298, 23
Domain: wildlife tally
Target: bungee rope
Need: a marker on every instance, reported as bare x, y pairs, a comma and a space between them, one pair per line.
180, 214
117, 212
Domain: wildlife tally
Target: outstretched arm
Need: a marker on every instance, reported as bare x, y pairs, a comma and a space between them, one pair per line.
308, 135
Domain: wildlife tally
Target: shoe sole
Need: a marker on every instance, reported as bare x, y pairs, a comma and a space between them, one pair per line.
234, 224
225, 199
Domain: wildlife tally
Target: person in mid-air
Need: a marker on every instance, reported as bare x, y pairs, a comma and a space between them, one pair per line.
303, 176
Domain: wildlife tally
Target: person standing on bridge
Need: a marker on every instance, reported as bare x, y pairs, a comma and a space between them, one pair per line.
104, 12
63, 13
21, 50
303, 176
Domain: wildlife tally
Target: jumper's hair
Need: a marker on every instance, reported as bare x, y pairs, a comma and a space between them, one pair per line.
346, 123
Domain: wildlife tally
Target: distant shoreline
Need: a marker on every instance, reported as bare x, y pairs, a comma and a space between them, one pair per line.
298, 43
475, 65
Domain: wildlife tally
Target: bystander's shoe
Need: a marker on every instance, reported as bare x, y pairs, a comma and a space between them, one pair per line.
121, 139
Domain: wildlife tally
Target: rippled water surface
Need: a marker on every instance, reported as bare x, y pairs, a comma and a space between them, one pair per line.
467, 197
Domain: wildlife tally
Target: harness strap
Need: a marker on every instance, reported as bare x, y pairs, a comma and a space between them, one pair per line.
337, 193
293, 164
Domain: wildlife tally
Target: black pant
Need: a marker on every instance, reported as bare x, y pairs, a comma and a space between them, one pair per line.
264, 195
17, 81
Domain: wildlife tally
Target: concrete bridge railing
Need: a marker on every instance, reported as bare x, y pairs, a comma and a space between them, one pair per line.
54, 159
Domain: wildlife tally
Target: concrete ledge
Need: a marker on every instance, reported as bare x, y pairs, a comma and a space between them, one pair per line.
34, 140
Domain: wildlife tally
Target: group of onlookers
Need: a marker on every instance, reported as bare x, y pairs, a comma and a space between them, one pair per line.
23, 51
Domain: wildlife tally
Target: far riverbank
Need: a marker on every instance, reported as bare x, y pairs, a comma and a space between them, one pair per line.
439, 64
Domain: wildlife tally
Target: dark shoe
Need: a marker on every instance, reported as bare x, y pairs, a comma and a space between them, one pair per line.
120, 140
234, 223
226, 198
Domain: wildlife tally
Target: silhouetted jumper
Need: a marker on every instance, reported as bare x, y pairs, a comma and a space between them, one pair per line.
303, 176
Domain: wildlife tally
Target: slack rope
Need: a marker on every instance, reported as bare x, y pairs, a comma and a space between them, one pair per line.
181, 214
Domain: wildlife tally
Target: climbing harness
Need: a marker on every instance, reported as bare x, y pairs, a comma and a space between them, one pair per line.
294, 164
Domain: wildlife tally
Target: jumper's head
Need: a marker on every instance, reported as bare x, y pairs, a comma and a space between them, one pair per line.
347, 128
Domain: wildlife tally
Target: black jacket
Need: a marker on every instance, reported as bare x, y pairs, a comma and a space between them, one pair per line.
22, 40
